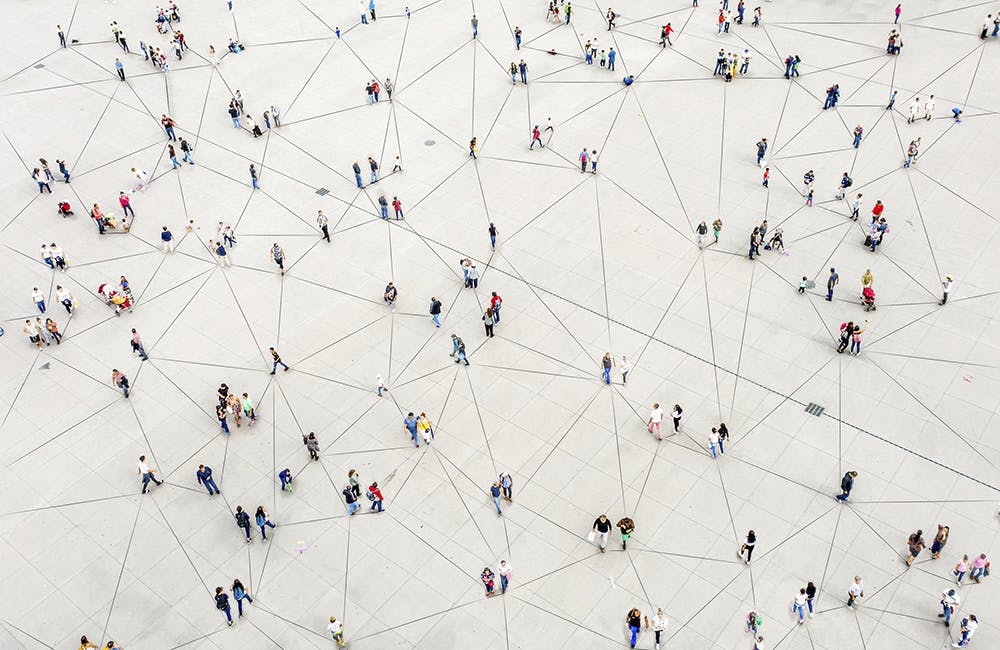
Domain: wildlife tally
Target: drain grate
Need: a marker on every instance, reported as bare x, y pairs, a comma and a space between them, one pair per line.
322, 191
815, 409
429, 143
39, 66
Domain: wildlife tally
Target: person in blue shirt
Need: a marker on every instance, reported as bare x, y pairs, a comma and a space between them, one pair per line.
628, 80
204, 475
612, 55
168, 240
495, 492
240, 593
285, 476
222, 603
410, 422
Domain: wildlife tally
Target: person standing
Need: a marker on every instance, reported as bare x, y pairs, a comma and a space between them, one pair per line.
858, 130
831, 282
461, 353
505, 575
949, 601
634, 621
137, 345
374, 494
312, 445
373, 166
222, 603
351, 499
147, 474
899, 9
62, 43
493, 236
968, 628
253, 177
659, 626
856, 338
945, 289
810, 594
322, 221
523, 69
940, 540
602, 528
854, 592
357, 174
748, 545
120, 69
204, 476
475, 26
285, 476
979, 565
487, 577
626, 527
713, 442
488, 322
655, 420
397, 207
915, 542
846, 485
723, 437
222, 415
410, 424
676, 415
761, 150
38, 298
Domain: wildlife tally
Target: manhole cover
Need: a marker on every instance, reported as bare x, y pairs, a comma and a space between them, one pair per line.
815, 409
429, 143
39, 66
322, 191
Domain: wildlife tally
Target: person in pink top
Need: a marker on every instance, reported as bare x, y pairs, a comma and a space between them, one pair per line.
960, 569
979, 567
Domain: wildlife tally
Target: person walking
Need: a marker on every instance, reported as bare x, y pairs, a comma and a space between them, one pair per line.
222, 604
461, 352
940, 540
323, 222
475, 26
374, 495
602, 528
120, 69
276, 358
968, 628
435, 310
488, 322
222, 415
263, 520
856, 338
493, 236
335, 627
507, 485
410, 424
748, 545
626, 527
495, 302
961, 567
397, 207
204, 476
659, 626
761, 150
713, 442
243, 521
506, 573
495, 493
633, 619
119, 379
855, 591
522, 67
655, 420
799, 605
979, 568
846, 485
253, 177
676, 414
949, 601
353, 479
723, 437
240, 594
915, 542
312, 445
351, 499
247, 405
147, 473
137, 345
810, 595
831, 282
607, 361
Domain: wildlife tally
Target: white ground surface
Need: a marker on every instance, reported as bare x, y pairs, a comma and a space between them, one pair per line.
585, 264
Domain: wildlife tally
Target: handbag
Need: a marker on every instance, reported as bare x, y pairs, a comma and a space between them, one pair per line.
591, 536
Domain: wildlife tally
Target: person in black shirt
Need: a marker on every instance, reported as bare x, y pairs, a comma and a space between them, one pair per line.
602, 526
243, 521
436, 311
277, 360
634, 620
222, 603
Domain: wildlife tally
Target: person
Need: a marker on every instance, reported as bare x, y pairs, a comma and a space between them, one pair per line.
351, 499
243, 521
488, 322
507, 485
628, 81
119, 379
222, 603
425, 428
262, 519
626, 526
84, 641
312, 444
204, 476
723, 437
389, 295
940, 539
625, 368
753, 622
285, 476
602, 527
659, 626
968, 628
949, 601
915, 542
713, 442
606, 362
147, 474
495, 493
487, 577
854, 592
655, 420
495, 302
276, 358
856, 338
675, 414
240, 593
748, 543
335, 627
799, 605
846, 485
961, 567
493, 235
945, 289
461, 346
634, 621
980, 567
374, 495
410, 424
506, 573
810, 594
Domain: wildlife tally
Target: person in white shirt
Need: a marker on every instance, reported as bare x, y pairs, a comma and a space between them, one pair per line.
945, 288
626, 368
58, 256
65, 298
854, 592
713, 442
38, 298
504, 571
655, 419
969, 626
336, 629
914, 107
659, 626
146, 472
34, 334
47, 256
929, 108
676, 415
949, 601
799, 605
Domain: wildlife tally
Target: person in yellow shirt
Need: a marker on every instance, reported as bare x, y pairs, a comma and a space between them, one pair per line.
424, 427
85, 643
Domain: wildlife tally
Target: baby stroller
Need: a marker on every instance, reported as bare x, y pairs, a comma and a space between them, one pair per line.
868, 298
64, 208
119, 301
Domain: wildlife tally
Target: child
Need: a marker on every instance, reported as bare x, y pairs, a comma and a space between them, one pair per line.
957, 113
809, 198
604, 58
767, 176
380, 385
802, 284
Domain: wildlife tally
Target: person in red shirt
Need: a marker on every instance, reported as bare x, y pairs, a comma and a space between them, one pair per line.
665, 35
398, 207
536, 136
375, 496
495, 302
877, 211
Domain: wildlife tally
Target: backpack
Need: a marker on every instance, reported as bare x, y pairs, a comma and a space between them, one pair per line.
242, 519
848, 181
221, 601
261, 520
845, 483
